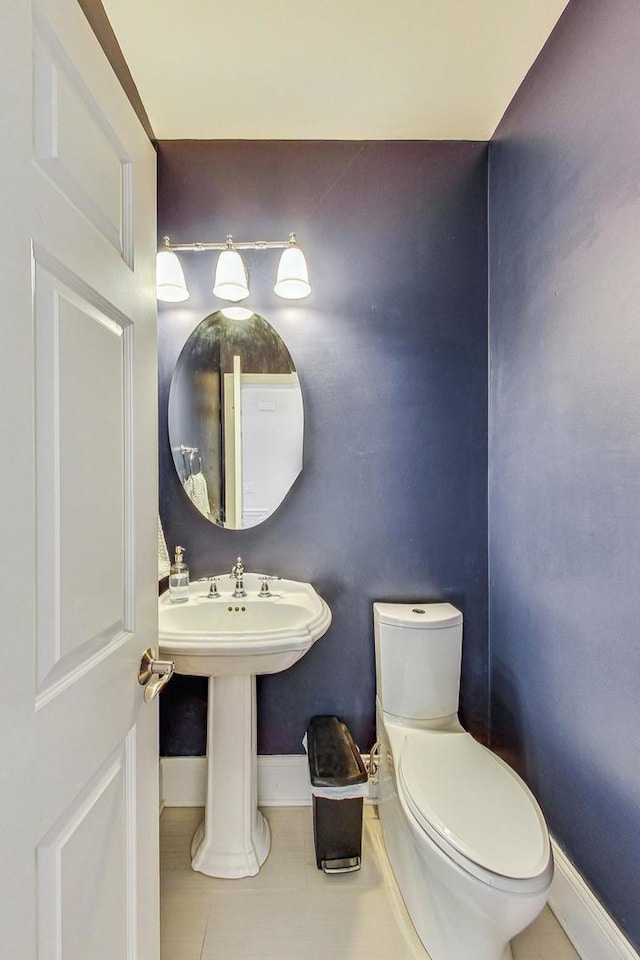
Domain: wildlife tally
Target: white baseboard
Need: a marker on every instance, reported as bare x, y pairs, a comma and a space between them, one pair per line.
283, 781
585, 921
183, 781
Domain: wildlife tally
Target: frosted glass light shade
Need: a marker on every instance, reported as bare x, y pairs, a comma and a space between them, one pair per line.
292, 281
231, 277
170, 285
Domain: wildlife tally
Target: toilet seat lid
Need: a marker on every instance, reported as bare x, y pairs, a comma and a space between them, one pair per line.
473, 805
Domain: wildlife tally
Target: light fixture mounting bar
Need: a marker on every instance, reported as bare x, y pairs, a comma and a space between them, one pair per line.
236, 245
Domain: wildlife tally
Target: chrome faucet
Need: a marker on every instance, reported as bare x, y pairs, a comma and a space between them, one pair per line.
237, 573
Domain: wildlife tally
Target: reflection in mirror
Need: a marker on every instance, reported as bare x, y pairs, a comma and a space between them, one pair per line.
236, 419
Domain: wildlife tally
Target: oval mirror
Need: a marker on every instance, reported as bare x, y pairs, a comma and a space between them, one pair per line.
236, 419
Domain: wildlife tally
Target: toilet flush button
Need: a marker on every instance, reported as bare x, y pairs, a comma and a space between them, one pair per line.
418, 610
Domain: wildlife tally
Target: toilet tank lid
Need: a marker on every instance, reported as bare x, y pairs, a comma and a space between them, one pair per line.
431, 615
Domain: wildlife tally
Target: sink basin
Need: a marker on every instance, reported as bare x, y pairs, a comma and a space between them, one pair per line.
232, 637
229, 641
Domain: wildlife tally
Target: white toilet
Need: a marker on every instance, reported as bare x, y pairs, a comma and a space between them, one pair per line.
465, 837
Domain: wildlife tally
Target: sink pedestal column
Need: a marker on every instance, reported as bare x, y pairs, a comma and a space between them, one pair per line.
233, 840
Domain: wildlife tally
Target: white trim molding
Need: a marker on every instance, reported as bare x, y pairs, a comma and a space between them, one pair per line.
585, 921
183, 781
283, 781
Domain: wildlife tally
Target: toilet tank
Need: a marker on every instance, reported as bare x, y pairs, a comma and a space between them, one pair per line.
418, 648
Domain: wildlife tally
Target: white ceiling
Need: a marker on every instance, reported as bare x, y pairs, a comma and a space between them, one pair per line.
329, 69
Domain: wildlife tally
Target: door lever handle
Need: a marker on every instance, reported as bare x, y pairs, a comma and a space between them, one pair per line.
160, 670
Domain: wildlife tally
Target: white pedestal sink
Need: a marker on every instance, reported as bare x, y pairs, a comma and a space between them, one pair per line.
230, 641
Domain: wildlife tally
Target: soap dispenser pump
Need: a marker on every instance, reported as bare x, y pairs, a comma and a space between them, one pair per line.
179, 578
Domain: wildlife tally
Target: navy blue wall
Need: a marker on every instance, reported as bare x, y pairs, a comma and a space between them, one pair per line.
391, 351
565, 441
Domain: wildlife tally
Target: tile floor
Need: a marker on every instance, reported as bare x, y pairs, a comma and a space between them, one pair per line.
292, 910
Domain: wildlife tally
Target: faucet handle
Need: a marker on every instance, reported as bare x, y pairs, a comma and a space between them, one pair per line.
264, 586
213, 587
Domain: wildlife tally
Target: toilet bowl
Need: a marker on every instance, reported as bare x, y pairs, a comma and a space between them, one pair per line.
466, 840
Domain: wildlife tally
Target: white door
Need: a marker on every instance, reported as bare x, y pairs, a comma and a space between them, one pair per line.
78, 757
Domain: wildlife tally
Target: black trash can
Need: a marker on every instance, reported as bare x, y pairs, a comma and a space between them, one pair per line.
335, 765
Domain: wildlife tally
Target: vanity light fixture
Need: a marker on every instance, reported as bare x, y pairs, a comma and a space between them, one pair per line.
292, 281
231, 281
170, 283
231, 278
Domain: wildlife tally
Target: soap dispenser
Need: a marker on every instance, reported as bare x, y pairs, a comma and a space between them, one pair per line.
179, 578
